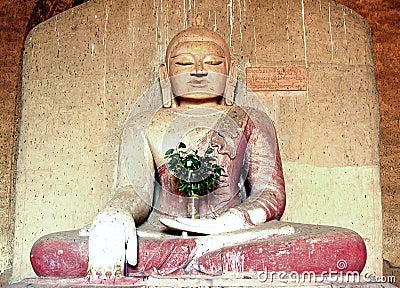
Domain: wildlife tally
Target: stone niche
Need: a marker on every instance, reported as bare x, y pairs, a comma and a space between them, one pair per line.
85, 69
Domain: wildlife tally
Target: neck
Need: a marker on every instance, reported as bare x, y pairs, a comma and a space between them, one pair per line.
197, 103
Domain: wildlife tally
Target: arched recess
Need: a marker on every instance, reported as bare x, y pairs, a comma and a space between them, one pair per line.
20, 17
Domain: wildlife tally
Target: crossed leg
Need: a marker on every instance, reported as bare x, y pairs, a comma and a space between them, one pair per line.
273, 246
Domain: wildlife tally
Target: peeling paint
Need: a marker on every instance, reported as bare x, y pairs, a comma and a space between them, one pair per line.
330, 29
305, 56
287, 26
234, 262
255, 39
185, 14
230, 5
304, 33
215, 21
107, 12
131, 28
283, 252
58, 37
240, 21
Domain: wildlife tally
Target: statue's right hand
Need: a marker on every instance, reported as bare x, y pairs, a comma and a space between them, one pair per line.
112, 239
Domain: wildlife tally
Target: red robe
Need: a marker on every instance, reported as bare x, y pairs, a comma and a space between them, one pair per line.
246, 147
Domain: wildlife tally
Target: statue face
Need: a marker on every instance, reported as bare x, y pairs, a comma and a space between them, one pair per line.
198, 70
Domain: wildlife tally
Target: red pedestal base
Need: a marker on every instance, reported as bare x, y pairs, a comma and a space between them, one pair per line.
319, 249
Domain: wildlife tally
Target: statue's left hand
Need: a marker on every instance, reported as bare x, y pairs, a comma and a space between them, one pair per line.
112, 239
229, 221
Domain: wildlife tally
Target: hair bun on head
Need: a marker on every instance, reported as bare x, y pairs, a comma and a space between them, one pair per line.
197, 33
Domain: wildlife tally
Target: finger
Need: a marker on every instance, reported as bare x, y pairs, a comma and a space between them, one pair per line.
209, 226
196, 222
106, 251
206, 226
174, 224
131, 245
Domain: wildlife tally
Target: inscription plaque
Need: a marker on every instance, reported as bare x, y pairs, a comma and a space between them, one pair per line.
276, 78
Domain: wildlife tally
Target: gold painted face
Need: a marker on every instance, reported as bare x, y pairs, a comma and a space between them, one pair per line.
198, 70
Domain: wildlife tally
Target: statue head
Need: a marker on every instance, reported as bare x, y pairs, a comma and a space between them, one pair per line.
197, 67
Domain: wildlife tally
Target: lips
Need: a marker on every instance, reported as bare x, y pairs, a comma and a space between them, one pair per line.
198, 83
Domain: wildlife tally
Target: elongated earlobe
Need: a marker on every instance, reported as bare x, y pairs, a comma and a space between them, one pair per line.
231, 81
166, 91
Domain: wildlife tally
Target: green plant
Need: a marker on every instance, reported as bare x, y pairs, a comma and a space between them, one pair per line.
196, 174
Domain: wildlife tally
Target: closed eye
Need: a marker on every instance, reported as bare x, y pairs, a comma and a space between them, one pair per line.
214, 63
184, 63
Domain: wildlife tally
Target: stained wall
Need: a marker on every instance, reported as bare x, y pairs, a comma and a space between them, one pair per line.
384, 19
85, 68
14, 16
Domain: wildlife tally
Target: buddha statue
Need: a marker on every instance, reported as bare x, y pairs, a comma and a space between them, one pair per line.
147, 227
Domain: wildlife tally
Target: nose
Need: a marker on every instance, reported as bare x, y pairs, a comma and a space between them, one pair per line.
199, 70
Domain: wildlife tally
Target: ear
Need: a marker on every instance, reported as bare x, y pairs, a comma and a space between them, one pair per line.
165, 84
162, 71
231, 81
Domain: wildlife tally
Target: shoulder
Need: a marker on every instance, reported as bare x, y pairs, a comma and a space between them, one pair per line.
257, 117
139, 119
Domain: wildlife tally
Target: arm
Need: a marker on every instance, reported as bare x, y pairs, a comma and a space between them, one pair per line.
112, 235
135, 182
267, 197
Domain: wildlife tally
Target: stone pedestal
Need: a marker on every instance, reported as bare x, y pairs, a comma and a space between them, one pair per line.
247, 280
